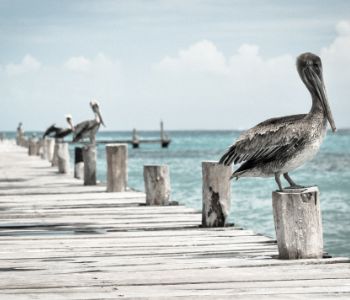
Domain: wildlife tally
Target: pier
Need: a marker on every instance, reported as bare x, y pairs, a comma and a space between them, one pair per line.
136, 141
63, 240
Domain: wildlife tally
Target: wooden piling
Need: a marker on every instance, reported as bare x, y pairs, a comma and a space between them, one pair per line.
54, 161
89, 156
62, 240
25, 142
20, 138
32, 147
298, 223
78, 163
157, 184
117, 167
50, 146
43, 149
63, 158
216, 194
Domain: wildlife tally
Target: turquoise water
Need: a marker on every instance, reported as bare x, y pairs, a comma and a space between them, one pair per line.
251, 198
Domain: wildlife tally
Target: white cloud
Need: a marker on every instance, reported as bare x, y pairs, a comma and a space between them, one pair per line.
28, 64
78, 63
230, 87
343, 28
83, 64
246, 86
336, 61
60, 89
199, 87
202, 56
338, 52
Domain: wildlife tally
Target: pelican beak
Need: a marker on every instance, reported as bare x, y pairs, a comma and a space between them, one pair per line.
322, 95
100, 117
70, 122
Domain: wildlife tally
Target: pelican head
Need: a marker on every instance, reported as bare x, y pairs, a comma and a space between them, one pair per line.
69, 120
96, 109
310, 70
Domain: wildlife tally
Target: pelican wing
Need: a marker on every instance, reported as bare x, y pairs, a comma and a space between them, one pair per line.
266, 140
82, 129
50, 130
63, 133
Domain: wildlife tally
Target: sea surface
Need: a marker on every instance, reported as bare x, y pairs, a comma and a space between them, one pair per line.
251, 206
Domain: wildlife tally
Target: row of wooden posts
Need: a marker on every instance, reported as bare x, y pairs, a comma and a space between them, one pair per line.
297, 214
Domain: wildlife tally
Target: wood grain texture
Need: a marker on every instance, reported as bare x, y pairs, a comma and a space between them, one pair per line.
157, 184
63, 158
298, 223
49, 148
89, 157
32, 147
117, 167
63, 240
216, 194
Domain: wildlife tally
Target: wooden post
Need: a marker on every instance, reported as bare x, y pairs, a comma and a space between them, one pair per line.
63, 158
89, 156
216, 193
157, 184
38, 147
43, 149
20, 136
54, 161
78, 163
298, 223
32, 147
117, 167
50, 146
25, 142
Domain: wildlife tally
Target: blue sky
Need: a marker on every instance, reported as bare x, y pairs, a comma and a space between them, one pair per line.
196, 64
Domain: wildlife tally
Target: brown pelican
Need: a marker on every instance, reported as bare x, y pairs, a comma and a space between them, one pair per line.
58, 132
279, 145
89, 128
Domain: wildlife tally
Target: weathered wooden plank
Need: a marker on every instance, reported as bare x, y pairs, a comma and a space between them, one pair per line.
61, 240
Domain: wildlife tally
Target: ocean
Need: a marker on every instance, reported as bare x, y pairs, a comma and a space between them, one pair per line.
251, 206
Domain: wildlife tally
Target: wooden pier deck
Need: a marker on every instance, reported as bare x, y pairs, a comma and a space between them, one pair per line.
62, 240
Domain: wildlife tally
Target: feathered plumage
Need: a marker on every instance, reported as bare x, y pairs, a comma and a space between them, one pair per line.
59, 132
88, 129
279, 145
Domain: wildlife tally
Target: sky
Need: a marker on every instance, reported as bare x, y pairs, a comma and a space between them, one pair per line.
196, 64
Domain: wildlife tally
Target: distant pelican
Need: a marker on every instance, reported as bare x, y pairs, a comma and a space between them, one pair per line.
58, 132
88, 129
279, 145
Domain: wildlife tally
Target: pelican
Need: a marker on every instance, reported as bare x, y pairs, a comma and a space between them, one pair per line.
280, 145
89, 128
58, 132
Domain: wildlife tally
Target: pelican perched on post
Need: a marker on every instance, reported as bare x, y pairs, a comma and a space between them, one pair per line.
89, 128
58, 132
279, 145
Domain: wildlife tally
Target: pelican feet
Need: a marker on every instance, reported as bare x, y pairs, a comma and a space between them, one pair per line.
293, 186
